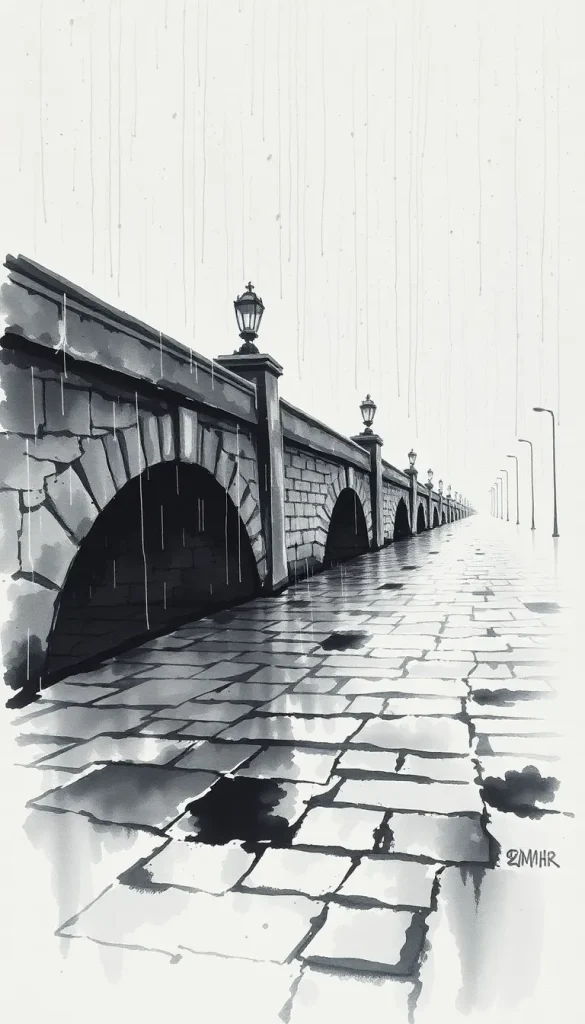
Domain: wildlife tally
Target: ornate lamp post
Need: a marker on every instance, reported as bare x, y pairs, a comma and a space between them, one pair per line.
500, 480
440, 486
412, 472
249, 311
368, 410
537, 408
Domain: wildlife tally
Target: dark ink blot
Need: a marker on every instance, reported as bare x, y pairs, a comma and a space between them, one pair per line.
298, 604
345, 641
505, 698
240, 808
409, 568
542, 607
391, 586
518, 792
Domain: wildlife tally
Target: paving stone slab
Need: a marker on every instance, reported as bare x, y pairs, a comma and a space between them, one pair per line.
440, 838
391, 881
440, 769
70, 693
407, 795
80, 723
439, 669
512, 726
274, 674
305, 704
312, 685
295, 763
396, 707
132, 749
153, 692
344, 996
366, 706
243, 692
208, 711
440, 735
227, 670
385, 940
108, 674
160, 727
133, 795
520, 746
380, 762
168, 670
246, 925
201, 730
347, 828
294, 730
212, 869
311, 873
393, 689
217, 757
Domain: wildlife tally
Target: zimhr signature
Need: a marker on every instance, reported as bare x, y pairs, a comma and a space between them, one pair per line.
531, 858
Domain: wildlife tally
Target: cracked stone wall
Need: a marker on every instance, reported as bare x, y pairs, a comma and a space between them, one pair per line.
391, 497
67, 447
312, 486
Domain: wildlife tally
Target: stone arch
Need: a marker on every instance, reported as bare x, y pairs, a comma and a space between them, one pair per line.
421, 518
347, 536
167, 548
89, 448
344, 479
443, 518
401, 527
435, 516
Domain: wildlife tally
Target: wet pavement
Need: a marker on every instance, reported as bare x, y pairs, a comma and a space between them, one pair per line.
296, 807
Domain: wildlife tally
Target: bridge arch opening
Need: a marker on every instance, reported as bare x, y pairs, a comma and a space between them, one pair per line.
436, 517
421, 523
169, 547
443, 518
348, 533
401, 522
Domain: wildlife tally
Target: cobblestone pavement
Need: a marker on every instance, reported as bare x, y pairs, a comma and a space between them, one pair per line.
275, 809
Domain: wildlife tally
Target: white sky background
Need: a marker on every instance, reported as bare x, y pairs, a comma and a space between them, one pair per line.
161, 154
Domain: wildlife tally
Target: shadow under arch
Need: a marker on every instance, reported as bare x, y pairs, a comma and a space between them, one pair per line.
421, 523
436, 517
347, 536
443, 518
168, 548
401, 522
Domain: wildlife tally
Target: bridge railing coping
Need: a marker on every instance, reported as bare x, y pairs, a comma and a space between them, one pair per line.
354, 452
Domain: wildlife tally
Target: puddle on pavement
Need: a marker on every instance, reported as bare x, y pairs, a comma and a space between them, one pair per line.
482, 593
391, 586
518, 792
242, 809
299, 604
506, 698
350, 641
409, 567
542, 607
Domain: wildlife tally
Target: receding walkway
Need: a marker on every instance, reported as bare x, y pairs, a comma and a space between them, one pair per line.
313, 790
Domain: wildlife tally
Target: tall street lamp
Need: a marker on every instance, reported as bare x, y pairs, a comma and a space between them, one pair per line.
500, 480
522, 440
537, 408
517, 491
507, 495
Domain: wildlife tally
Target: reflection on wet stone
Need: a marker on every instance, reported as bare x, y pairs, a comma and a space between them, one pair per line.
349, 641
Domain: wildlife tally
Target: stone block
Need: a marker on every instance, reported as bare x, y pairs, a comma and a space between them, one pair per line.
321, 731
115, 460
145, 795
244, 925
443, 735
10, 524
209, 448
31, 608
111, 413
21, 407
311, 873
72, 502
188, 435
440, 837
305, 704
212, 869
407, 795
391, 881
150, 438
225, 469
66, 409
17, 471
296, 763
368, 762
439, 769
130, 749
350, 996
45, 547
94, 464
133, 451
368, 940
54, 448
167, 437
346, 828
218, 757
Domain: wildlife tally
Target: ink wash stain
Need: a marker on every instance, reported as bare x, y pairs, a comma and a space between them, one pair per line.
350, 641
518, 792
242, 809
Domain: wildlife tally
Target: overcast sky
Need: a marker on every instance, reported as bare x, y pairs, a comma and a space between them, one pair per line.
402, 182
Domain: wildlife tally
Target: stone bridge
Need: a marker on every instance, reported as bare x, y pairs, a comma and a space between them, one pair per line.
143, 484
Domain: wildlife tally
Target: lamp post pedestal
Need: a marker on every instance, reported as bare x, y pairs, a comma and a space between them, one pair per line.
413, 474
373, 445
264, 372
430, 506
